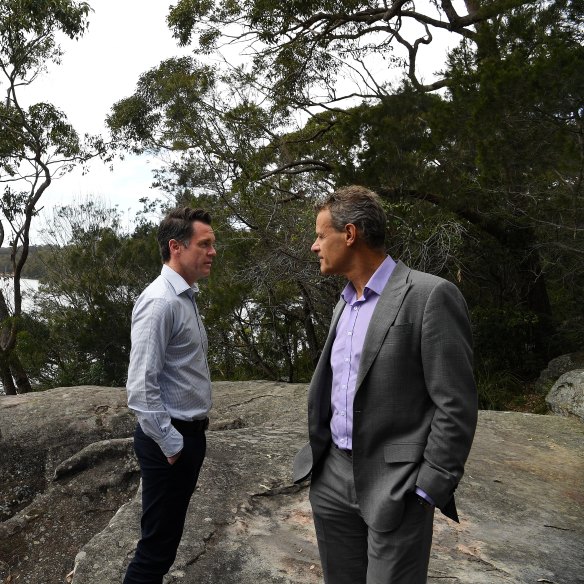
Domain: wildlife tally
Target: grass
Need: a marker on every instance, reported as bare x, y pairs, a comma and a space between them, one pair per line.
504, 391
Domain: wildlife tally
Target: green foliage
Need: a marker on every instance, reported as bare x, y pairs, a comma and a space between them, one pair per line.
94, 273
28, 31
504, 337
169, 109
300, 47
497, 388
512, 132
482, 185
256, 302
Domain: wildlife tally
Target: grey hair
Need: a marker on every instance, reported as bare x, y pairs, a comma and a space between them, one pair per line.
361, 207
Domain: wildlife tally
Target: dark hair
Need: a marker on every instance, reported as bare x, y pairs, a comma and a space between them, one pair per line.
362, 208
178, 224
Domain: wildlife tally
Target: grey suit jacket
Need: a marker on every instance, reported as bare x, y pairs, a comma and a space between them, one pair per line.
415, 408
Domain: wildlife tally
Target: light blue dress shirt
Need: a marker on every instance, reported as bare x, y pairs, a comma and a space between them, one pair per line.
168, 376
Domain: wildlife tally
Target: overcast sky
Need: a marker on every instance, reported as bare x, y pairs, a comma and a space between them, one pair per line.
125, 38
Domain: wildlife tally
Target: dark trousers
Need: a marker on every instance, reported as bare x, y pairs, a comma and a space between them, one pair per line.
166, 492
351, 552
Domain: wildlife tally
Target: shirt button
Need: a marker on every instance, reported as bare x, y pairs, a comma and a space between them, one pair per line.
356, 308
346, 359
350, 333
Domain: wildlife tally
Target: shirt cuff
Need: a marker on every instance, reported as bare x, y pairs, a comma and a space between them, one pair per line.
172, 443
425, 496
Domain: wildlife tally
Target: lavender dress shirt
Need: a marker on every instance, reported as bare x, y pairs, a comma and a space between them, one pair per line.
346, 353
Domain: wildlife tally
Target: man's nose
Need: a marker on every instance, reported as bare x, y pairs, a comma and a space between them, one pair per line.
314, 247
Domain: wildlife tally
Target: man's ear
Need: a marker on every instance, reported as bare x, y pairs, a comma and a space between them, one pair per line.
350, 234
174, 246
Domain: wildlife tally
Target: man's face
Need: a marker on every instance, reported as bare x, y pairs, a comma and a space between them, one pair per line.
195, 259
330, 245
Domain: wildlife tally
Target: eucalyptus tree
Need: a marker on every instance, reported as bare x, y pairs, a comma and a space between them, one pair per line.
231, 151
37, 144
476, 178
300, 49
244, 130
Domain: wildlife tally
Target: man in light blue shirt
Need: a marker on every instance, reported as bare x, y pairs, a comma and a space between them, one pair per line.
169, 389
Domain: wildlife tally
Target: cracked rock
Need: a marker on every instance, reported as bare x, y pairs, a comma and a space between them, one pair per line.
247, 523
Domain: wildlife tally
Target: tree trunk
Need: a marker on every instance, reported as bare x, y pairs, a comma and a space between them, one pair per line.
11, 369
311, 339
6, 377
19, 374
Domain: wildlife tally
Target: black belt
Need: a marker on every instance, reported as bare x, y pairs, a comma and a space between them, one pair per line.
349, 453
187, 428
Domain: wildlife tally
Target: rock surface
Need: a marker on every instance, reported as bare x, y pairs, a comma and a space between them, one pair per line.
566, 397
46, 521
521, 500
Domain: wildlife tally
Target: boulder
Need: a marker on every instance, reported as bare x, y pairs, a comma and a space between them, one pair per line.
521, 505
566, 397
557, 367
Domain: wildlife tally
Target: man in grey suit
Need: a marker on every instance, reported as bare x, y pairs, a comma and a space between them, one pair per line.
392, 405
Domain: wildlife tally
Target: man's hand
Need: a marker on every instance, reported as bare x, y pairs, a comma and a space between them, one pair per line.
172, 459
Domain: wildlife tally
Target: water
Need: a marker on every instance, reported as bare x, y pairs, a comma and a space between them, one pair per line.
28, 288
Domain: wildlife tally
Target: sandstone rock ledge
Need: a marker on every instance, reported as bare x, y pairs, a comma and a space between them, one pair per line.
521, 501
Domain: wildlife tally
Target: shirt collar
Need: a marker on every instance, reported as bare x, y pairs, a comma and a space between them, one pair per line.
178, 283
375, 284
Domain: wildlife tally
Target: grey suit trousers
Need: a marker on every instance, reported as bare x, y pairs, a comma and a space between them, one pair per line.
351, 552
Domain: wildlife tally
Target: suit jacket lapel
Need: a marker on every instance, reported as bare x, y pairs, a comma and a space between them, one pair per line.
335, 319
332, 330
383, 317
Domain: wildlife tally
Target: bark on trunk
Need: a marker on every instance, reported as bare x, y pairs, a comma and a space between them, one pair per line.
19, 374
6, 377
